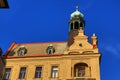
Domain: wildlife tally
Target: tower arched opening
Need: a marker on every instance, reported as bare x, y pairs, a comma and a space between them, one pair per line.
71, 26
76, 25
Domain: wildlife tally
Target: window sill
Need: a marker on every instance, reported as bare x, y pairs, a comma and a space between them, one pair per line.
37, 79
21, 79
56, 78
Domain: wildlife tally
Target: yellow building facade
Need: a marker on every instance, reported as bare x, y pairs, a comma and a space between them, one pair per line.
76, 59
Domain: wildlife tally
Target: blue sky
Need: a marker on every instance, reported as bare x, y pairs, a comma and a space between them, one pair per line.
47, 20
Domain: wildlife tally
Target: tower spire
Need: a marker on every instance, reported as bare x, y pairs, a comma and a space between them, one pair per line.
77, 8
76, 23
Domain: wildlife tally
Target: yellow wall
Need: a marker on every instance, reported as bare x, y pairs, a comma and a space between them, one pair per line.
65, 64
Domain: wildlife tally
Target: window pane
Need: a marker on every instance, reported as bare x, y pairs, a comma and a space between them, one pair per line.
38, 72
7, 73
54, 73
81, 72
22, 73
50, 51
23, 69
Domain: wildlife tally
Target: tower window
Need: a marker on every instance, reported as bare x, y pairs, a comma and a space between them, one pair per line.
50, 49
7, 74
38, 72
0, 52
22, 73
81, 24
71, 26
76, 25
54, 73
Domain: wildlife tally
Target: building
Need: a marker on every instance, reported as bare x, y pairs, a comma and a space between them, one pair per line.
76, 59
3, 4
1, 64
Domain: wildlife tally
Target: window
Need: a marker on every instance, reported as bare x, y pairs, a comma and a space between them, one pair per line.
71, 26
76, 25
50, 49
38, 72
22, 51
81, 26
81, 71
22, 73
7, 74
0, 52
54, 73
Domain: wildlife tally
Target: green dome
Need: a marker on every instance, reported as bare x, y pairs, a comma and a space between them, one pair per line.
77, 13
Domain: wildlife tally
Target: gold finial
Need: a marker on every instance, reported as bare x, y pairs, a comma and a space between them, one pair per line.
77, 8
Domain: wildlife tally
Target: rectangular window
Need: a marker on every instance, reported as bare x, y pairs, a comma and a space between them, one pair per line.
7, 74
38, 72
54, 73
22, 73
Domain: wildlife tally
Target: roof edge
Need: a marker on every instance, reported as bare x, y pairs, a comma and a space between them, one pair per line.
10, 48
43, 42
45, 55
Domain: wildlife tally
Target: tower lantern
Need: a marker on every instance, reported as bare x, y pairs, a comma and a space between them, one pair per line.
76, 20
76, 23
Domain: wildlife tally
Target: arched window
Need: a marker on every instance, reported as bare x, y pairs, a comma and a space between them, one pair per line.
50, 49
71, 26
22, 51
76, 25
0, 52
80, 70
81, 24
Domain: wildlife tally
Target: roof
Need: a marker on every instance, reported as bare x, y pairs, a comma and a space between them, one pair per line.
77, 13
36, 49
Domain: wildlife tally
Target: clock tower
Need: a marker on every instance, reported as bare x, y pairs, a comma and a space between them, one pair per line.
76, 23
86, 66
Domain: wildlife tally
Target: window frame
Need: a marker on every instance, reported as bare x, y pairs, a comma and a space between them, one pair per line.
52, 71
80, 70
9, 72
41, 72
50, 50
24, 74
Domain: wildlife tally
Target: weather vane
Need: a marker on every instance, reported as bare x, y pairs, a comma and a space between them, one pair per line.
77, 1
